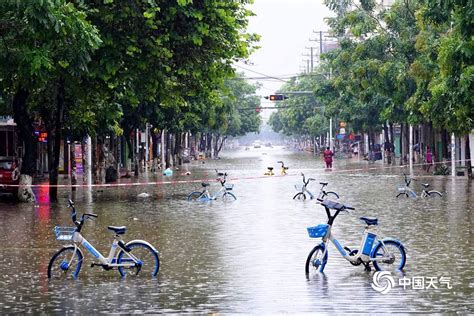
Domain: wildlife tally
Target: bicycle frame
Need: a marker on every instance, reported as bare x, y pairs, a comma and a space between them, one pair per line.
206, 194
322, 193
407, 190
367, 244
110, 260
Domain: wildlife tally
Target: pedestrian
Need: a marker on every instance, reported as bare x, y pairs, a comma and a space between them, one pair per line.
328, 157
429, 158
388, 154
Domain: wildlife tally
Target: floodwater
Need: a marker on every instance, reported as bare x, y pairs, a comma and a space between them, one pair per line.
246, 256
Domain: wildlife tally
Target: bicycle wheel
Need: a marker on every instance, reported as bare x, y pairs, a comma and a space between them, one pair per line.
194, 196
65, 264
315, 260
394, 254
226, 197
332, 194
299, 196
434, 193
148, 261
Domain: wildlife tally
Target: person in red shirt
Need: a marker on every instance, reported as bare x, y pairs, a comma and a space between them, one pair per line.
328, 157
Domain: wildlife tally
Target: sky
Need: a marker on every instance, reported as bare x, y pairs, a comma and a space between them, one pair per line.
285, 27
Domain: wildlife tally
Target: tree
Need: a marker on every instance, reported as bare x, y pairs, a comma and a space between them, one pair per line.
46, 47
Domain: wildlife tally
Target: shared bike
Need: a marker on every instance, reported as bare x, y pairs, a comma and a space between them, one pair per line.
224, 191
408, 192
384, 253
134, 258
303, 190
283, 168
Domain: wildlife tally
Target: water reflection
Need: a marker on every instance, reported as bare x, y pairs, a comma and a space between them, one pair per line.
246, 256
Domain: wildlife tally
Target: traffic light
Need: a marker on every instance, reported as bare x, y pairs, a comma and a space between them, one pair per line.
257, 110
276, 97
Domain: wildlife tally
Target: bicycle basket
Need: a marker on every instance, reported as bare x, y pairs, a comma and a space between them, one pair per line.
64, 233
318, 231
228, 187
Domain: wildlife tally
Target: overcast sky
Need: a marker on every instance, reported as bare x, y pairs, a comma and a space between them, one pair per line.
285, 27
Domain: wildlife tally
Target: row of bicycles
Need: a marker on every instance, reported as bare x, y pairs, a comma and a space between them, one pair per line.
140, 258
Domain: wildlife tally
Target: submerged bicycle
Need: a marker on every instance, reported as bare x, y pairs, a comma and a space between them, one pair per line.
283, 168
303, 190
408, 192
224, 191
137, 257
384, 253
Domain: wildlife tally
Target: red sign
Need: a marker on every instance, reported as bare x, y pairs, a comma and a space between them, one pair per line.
43, 137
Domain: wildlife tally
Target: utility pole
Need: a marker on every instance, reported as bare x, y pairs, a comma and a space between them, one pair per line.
311, 55
321, 41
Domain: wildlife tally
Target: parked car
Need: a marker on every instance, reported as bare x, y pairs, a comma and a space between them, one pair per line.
9, 174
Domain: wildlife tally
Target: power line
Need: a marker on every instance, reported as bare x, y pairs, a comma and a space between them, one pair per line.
262, 74
278, 107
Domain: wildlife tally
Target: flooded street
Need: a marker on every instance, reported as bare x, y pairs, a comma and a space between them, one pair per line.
246, 256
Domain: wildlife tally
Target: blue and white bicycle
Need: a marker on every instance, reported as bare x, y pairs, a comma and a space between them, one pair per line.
206, 196
303, 191
135, 258
384, 253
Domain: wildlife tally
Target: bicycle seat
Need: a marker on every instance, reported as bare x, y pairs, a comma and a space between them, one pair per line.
204, 184
119, 230
332, 205
323, 183
370, 220
270, 168
425, 185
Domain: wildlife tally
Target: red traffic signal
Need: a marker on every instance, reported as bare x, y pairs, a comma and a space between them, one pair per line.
276, 97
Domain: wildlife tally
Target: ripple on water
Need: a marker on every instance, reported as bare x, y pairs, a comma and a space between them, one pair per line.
247, 256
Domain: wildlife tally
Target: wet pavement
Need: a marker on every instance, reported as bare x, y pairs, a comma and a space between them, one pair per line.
246, 256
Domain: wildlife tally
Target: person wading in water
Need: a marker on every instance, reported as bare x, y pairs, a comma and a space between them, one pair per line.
328, 157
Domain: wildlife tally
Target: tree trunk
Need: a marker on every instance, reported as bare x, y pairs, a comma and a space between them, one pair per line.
95, 160
154, 139
54, 147
168, 151
163, 150
209, 145
128, 154
177, 149
218, 146
468, 157
446, 143
135, 153
101, 163
27, 139
401, 144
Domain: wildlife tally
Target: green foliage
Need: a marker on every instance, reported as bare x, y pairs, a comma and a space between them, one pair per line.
451, 54
303, 115
125, 63
408, 63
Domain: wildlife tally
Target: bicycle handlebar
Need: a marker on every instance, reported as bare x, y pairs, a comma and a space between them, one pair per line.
84, 216
221, 174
